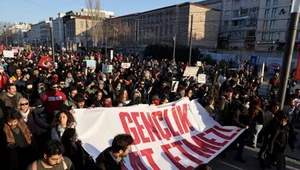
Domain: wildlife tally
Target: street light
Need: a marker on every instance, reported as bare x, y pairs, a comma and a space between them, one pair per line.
288, 53
52, 38
174, 47
5, 32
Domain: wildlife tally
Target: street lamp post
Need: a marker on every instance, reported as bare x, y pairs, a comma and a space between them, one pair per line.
174, 47
52, 38
5, 32
105, 47
288, 53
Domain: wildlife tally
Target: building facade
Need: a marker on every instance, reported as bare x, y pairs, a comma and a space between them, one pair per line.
84, 28
272, 25
239, 22
58, 30
160, 26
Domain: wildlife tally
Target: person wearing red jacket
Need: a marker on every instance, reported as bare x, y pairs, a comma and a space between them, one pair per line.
53, 100
3, 78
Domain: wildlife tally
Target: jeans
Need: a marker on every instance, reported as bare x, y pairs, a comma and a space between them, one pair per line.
255, 128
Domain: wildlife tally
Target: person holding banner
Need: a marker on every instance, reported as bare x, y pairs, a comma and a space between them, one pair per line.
112, 158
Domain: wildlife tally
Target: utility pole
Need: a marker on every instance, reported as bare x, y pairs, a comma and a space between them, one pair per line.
288, 53
52, 38
5, 32
105, 47
174, 47
191, 34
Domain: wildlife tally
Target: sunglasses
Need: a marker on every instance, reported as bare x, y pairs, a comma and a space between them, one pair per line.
62, 83
23, 104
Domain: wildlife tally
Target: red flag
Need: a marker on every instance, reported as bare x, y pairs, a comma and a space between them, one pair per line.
1, 47
297, 73
45, 62
29, 56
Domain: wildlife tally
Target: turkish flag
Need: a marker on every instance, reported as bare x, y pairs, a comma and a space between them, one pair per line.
45, 62
297, 73
29, 56
1, 47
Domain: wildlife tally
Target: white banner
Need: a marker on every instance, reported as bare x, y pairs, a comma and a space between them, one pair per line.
178, 135
8, 54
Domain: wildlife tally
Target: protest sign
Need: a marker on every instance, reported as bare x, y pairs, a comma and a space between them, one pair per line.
190, 71
178, 135
174, 86
125, 65
8, 54
91, 63
201, 78
107, 68
199, 63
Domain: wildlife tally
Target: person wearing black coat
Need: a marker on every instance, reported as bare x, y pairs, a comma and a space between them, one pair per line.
112, 158
241, 119
73, 149
280, 137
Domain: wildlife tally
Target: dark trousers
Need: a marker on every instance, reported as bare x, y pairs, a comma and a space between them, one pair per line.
261, 153
241, 141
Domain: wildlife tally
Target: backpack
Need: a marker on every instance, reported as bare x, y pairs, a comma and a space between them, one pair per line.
34, 165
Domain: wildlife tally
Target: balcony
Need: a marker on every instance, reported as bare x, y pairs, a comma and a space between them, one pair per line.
240, 17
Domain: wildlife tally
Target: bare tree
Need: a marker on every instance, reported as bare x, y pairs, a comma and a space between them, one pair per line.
95, 30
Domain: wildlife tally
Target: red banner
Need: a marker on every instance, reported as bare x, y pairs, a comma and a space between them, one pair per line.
297, 73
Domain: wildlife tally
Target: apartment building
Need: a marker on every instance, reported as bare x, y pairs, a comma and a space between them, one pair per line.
272, 25
84, 28
239, 21
160, 26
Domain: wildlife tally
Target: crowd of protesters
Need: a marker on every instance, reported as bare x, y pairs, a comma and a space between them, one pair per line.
37, 105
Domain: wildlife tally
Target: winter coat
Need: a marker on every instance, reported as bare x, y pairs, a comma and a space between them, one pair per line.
280, 137
106, 162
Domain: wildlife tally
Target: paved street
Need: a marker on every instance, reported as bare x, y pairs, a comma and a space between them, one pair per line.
250, 155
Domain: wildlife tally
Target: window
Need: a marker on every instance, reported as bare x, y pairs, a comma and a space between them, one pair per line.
272, 24
265, 25
227, 3
275, 2
237, 2
271, 35
226, 13
244, 12
268, 2
274, 12
267, 11
298, 35
251, 33
225, 23
264, 36
235, 13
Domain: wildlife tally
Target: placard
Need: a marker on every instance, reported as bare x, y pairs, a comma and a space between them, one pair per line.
125, 65
91, 63
202, 78
8, 54
174, 86
107, 68
190, 71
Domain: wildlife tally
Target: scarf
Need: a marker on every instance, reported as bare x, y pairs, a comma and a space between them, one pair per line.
24, 129
25, 114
